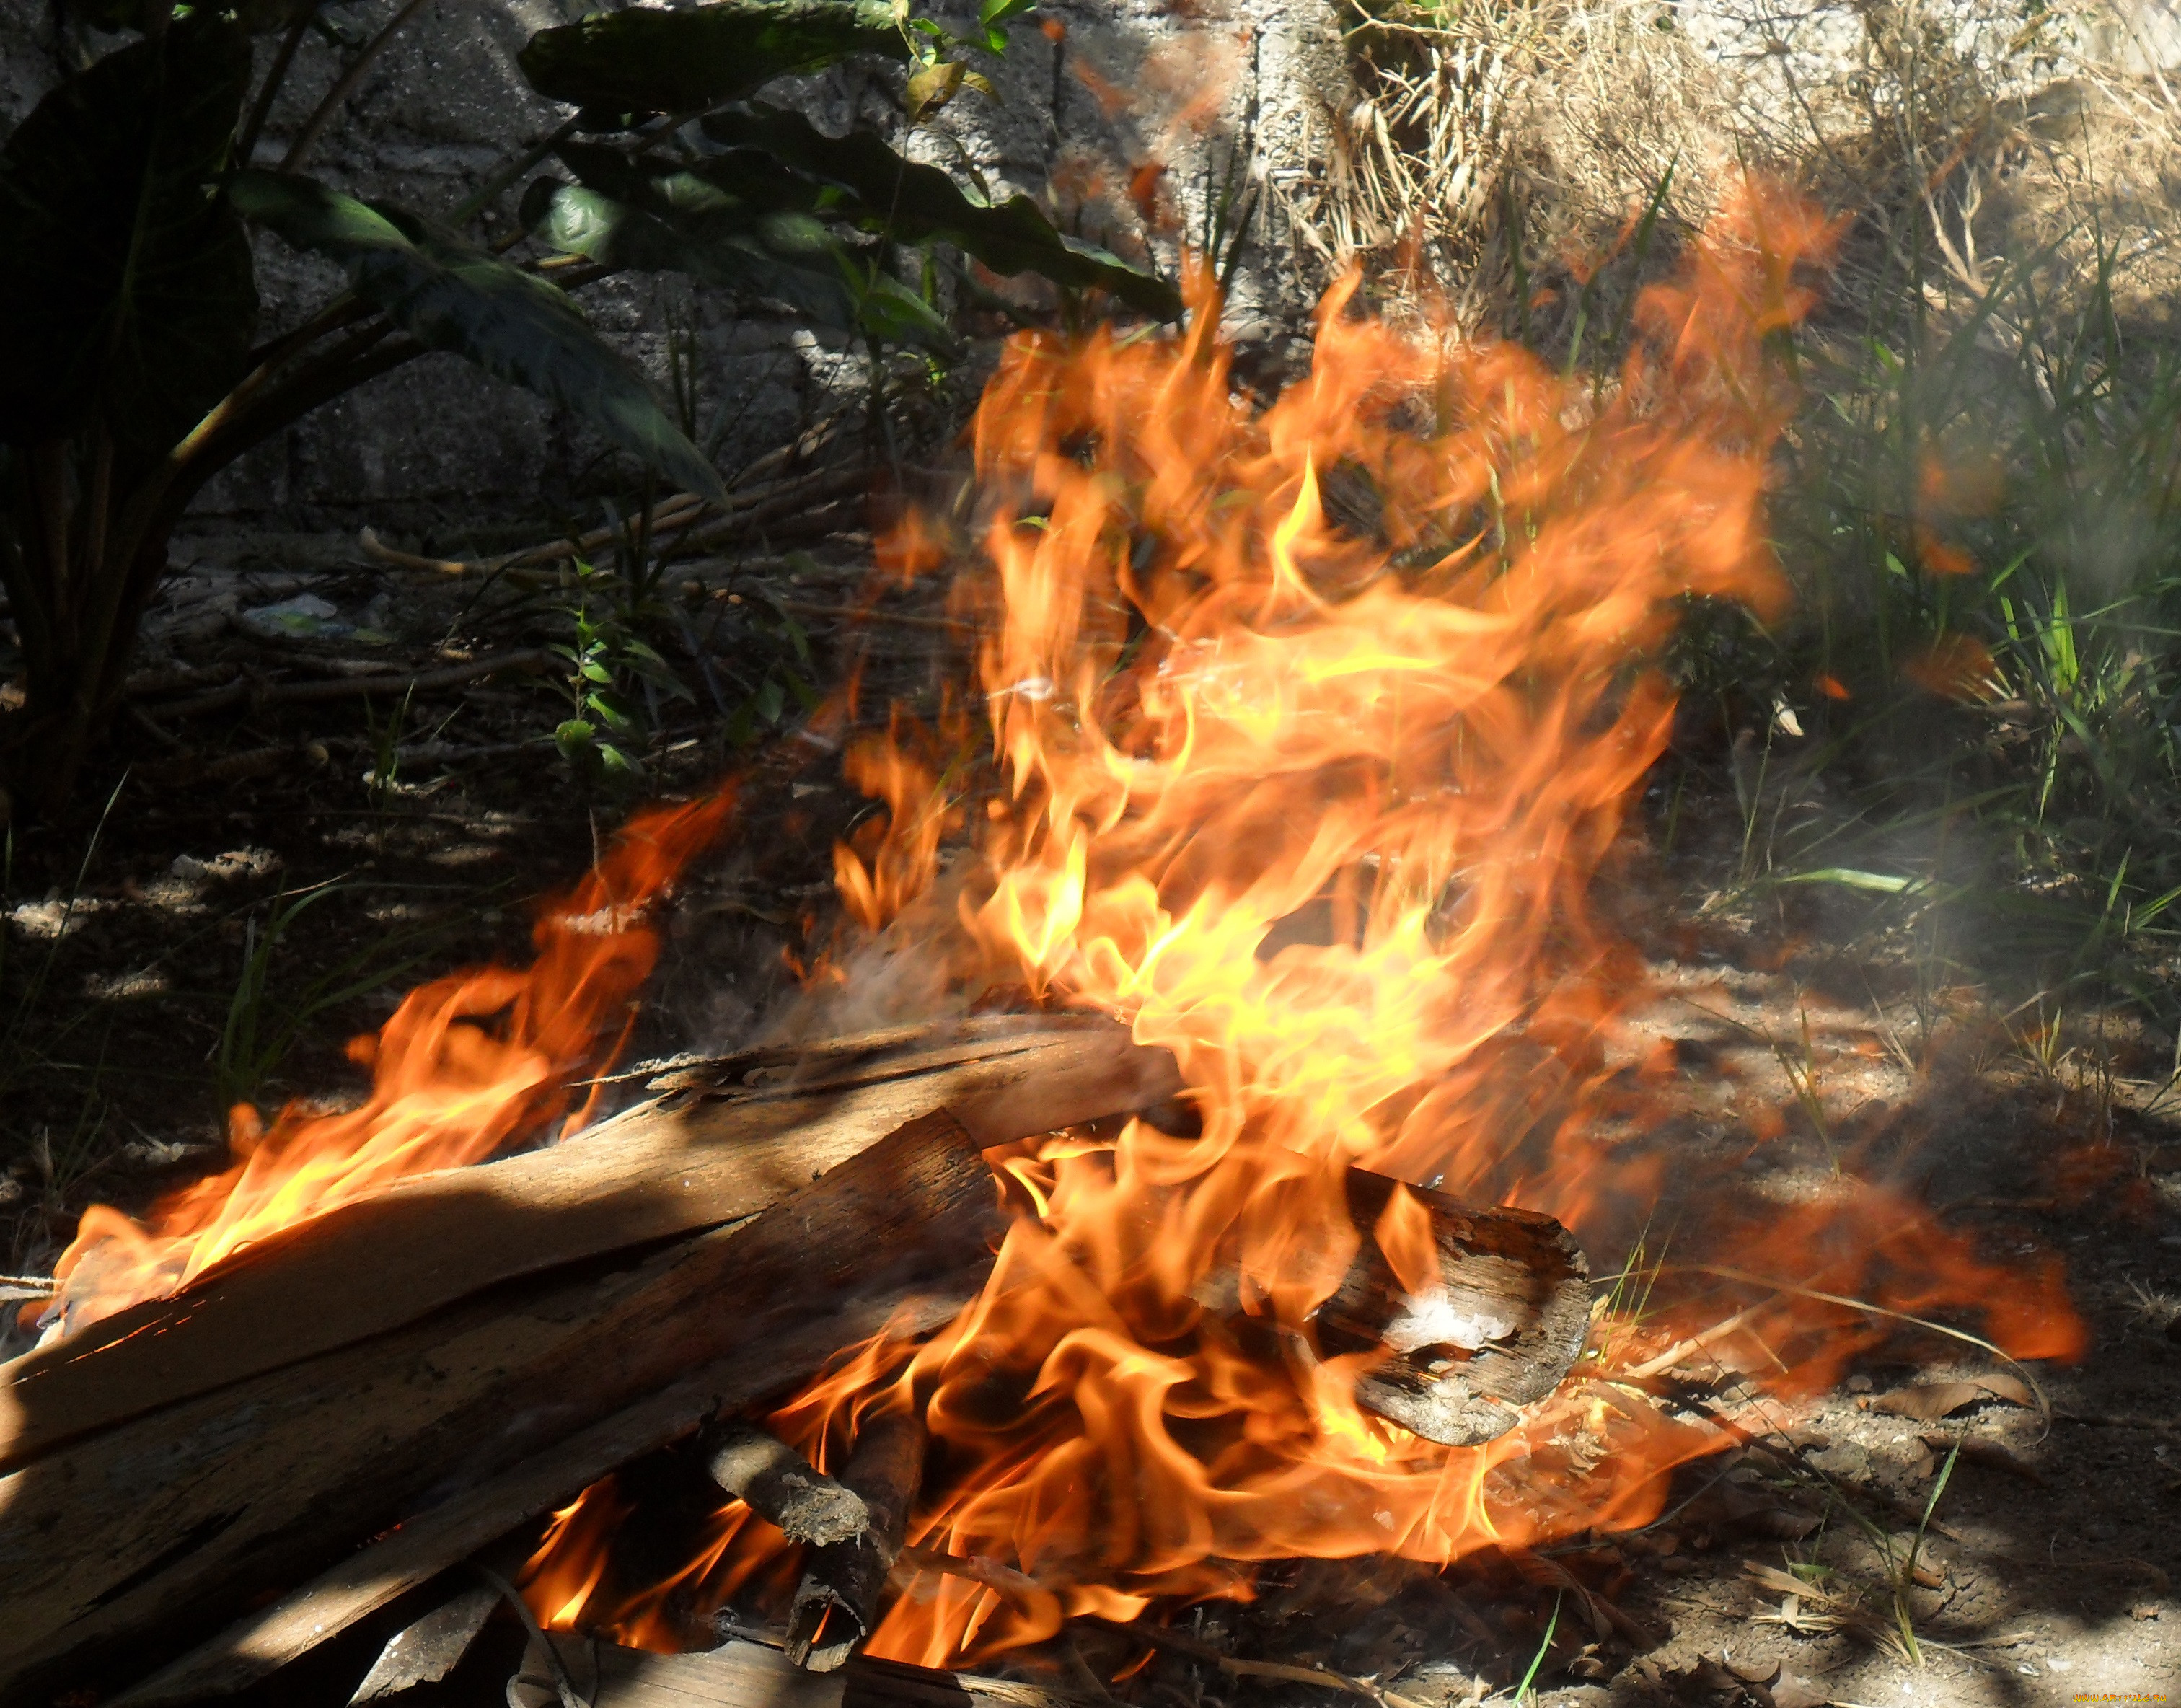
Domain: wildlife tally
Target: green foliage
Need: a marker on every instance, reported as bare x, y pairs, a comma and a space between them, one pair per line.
448, 294
128, 293
875, 187
657, 216
130, 296
610, 665
644, 61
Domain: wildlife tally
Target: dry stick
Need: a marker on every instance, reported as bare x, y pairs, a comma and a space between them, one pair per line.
171, 678
306, 139
258, 1645
836, 1604
353, 687
1176, 1643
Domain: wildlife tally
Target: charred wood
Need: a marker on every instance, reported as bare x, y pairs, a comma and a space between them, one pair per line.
1506, 1319
779, 1485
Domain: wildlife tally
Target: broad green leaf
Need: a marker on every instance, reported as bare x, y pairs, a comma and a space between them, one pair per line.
448, 296
128, 292
649, 60
914, 203
672, 220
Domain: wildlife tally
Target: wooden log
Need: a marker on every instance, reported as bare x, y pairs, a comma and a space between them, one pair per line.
724, 1140
835, 1605
425, 1650
117, 1552
1506, 1319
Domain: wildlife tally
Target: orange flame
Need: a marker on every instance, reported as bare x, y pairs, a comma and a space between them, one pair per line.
1313, 727
467, 1064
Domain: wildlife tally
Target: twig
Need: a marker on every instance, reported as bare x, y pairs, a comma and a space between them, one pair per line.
861, 613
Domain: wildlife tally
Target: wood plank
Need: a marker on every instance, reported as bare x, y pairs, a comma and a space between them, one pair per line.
725, 1141
118, 1552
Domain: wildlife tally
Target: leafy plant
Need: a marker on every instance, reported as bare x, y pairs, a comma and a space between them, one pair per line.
131, 298
609, 664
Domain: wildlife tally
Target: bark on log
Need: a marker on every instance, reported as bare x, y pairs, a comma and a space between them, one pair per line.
724, 1140
263, 1641
118, 1551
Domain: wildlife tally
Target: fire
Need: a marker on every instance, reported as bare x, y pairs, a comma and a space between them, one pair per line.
1311, 727
467, 1065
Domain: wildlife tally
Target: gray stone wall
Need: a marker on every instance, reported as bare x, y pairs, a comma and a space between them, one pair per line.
1128, 119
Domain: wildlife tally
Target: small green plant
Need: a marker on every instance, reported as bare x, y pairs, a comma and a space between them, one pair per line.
615, 677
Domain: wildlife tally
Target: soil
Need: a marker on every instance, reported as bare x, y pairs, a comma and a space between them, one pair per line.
1797, 1030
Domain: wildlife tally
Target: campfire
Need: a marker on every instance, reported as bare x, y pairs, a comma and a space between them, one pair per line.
1183, 1159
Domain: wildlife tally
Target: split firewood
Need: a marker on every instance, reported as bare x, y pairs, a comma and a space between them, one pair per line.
118, 1552
836, 1604
427, 1651
780, 1485
724, 1140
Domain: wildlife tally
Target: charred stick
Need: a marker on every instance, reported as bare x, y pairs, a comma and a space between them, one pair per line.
836, 1604
780, 1485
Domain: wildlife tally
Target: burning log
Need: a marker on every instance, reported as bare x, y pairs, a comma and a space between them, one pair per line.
724, 1140
135, 1540
836, 1604
1498, 1328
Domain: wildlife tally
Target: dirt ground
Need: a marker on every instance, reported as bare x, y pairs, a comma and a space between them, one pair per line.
137, 999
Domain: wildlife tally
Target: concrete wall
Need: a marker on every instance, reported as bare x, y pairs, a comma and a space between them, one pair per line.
1091, 108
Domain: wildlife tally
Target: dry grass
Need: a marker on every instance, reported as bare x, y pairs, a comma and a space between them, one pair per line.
1500, 150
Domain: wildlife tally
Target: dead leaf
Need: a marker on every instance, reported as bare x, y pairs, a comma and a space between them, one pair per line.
1793, 1691
1927, 1400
